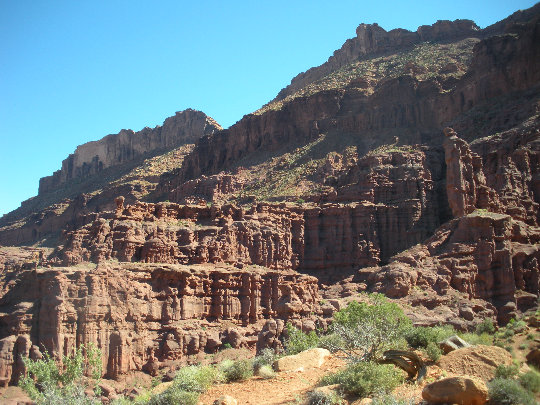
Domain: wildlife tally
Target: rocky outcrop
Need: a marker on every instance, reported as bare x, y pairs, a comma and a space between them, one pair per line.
478, 255
141, 314
371, 40
477, 361
312, 358
328, 240
90, 158
414, 110
457, 390
465, 182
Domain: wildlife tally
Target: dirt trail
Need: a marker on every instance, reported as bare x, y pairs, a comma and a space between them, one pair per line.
285, 388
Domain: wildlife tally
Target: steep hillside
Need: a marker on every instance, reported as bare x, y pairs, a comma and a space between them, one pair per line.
128, 164
408, 164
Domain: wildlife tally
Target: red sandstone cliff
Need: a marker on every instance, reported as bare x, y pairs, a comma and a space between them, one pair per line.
141, 314
446, 224
92, 157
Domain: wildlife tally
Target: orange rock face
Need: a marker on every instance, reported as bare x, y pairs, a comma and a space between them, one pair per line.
142, 313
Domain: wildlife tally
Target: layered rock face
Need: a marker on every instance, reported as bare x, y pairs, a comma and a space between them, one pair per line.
414, 110
491, 250
371, 39
398, 208
92, 157
445, 223
142, 315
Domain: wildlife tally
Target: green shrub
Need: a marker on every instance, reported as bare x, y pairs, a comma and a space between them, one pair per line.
298, 341
121, 400
265, 358
389, 399
530, 336
486, 326
433, 351
195, 378
318, 397
508, 333
517, 326
176, 396
332, 342
366, 329
477, 339
522, 346
510, 371
530, 381
365, 378
421, 336
238, 370
266, 372
46, 383
509, 392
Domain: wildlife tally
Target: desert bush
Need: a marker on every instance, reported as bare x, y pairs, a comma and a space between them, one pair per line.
176, 396
486, 326
189, 382
389, 399
366, 329
121, 400
266, 372
46, 382
331, 342
238, 370
503, 371
477, 339
365, 378
433, 351
503, 391
195, 378
422, 336
530, 381
298, 341
265, 358
517, 326
318, 397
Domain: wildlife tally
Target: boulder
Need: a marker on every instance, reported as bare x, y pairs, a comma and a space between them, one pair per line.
453, 343
312, 358
533, 357
225, 400
462, 390
478, 361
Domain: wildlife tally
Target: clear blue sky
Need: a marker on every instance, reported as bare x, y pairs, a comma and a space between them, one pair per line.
73, 71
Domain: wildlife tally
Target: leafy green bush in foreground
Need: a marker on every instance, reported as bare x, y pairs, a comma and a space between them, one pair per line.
47, 383
196, 378
298, 341
530, 380
238, 370
366, 378
367, 329
509, 392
